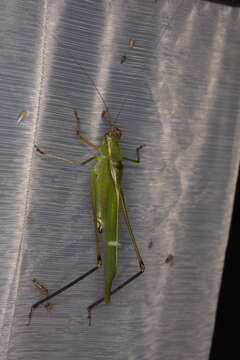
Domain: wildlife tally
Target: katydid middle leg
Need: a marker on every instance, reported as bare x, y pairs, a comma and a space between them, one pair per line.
74, 162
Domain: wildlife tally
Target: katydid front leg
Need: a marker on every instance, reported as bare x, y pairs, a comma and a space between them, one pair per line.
80, 137
138, 155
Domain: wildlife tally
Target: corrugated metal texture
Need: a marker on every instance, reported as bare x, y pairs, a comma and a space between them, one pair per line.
182, 83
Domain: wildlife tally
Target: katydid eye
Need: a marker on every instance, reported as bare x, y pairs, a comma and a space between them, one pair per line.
99, 226
118, 132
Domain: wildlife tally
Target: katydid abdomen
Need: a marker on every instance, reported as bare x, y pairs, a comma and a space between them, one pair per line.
105, 185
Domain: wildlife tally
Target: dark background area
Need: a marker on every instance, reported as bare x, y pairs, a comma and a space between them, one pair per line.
225, 2
225, 338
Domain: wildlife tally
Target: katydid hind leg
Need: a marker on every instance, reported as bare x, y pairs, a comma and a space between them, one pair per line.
98, 255
59, 291
99, 301
134, 242
140, 260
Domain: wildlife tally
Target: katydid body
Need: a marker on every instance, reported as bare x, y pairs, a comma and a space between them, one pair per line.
105, 187
107, 200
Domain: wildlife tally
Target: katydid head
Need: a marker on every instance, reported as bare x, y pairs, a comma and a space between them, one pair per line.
113, 133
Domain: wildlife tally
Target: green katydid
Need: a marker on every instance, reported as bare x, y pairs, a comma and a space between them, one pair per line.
107, 200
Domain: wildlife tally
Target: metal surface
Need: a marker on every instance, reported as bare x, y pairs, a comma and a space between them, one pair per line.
182, 82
